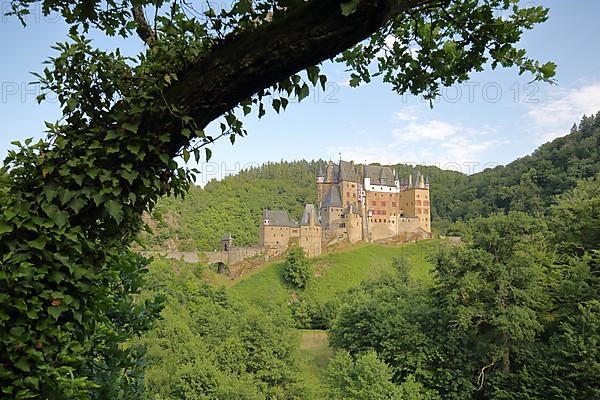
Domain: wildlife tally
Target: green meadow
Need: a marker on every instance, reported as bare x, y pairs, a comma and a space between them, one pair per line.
334, 273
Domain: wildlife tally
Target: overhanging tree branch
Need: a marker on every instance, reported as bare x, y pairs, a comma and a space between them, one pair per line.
244, 64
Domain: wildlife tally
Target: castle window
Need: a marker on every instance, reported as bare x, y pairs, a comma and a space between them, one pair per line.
393, 204
383, 203
374, 203
347, 194
384, 221
418, 202
418, 195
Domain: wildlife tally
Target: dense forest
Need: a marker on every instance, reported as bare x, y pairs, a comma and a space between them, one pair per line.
235, 203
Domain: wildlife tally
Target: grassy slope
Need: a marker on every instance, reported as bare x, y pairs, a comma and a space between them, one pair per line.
335, 273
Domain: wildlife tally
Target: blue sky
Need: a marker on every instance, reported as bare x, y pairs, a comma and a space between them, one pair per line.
494, 118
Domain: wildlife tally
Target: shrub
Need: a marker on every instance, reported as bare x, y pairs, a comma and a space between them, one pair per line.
297, 268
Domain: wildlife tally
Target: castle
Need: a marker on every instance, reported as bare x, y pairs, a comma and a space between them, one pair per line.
356, 203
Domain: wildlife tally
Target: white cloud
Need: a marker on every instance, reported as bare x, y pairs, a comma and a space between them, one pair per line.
431, 130
409, 113
554, 117
445, 144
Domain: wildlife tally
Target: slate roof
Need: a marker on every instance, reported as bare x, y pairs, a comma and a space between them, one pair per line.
309, 210
380, 175
348, 172
279, 218
333, 198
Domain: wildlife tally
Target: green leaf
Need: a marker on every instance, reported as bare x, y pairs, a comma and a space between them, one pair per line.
208, 154
38, 243
186, 155
61, 219
5, 228
22, 364
548, 70
115, 210
349, 7
276, 105
55, 311
323, 80
131, 126
186, 132
134, 148
313, 74
77, 204
304, 92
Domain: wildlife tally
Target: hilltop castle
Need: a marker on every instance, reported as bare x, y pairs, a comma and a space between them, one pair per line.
356, 203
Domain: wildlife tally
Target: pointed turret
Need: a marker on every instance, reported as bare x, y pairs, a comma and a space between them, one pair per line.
321, 175
421, 181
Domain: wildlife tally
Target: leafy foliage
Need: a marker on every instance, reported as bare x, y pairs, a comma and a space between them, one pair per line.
366, 378
440, 46
499, 322
297, 268
208, 345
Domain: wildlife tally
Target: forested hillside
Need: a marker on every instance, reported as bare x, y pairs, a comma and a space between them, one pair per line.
528, 184
235, 203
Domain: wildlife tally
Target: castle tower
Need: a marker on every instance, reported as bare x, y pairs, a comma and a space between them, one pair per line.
416, 201
227, 242
310, 232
